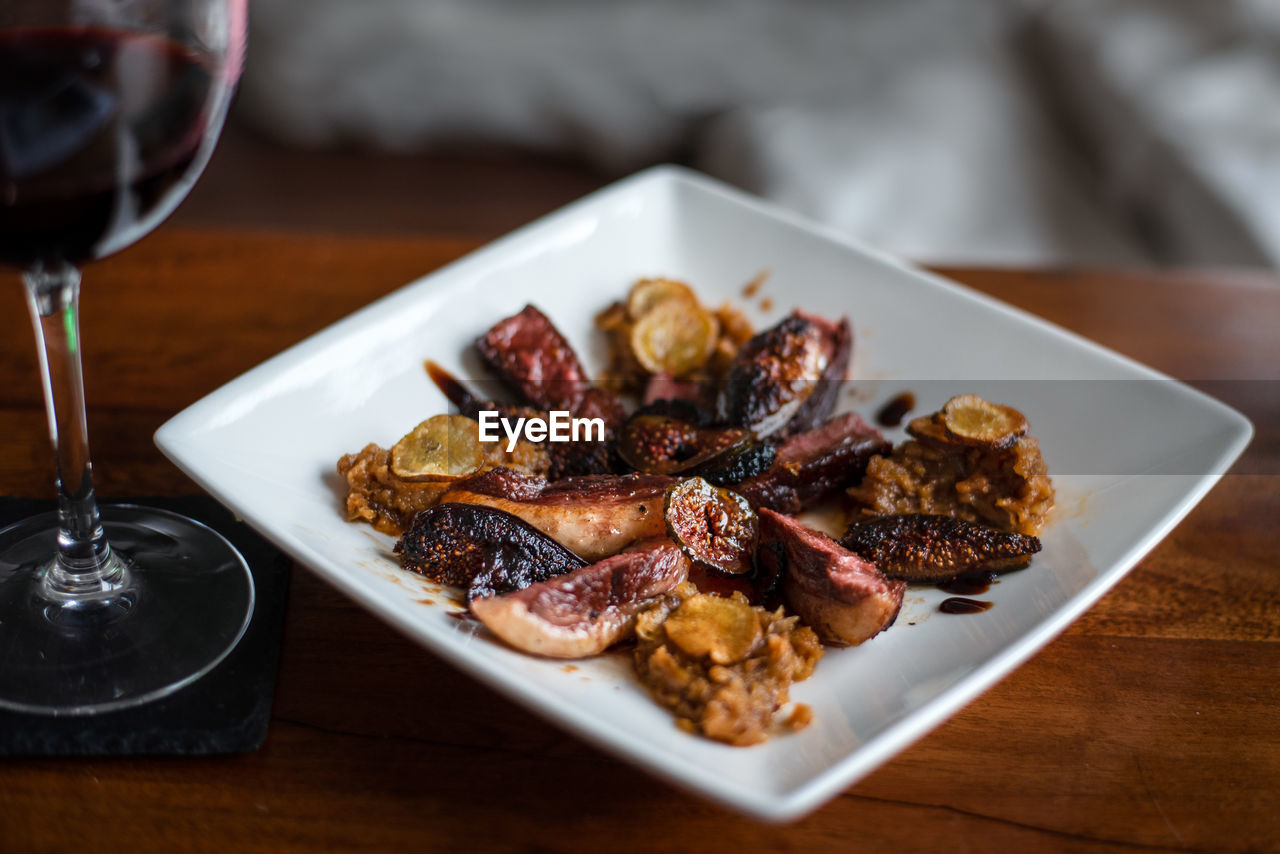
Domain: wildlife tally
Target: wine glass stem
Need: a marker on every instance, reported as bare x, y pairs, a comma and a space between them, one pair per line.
84, 568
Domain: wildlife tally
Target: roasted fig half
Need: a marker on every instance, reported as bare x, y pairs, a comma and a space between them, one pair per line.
716, 528
486, 550
738, 464
927, 549
681, 409
656, 444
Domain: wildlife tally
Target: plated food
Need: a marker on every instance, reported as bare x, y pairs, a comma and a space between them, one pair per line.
255, 445
668, 510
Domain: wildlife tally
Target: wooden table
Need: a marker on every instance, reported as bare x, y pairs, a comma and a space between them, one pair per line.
1152, 723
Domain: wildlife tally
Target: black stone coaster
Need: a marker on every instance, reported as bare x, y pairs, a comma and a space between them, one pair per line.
226, 711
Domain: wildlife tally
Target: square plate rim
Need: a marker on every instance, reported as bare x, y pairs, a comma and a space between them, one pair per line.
172, 439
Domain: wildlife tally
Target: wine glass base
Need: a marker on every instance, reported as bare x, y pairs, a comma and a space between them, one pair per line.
188, 603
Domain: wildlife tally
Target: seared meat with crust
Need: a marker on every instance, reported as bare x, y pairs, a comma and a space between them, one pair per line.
786, 379
927, 549
666, 387
844, 598
529, 353
585, 611
815, 464
773, 374
592, 516
837, 340
481, 548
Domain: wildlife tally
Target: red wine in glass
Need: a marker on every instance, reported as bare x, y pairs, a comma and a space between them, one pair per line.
98, 129
104, 127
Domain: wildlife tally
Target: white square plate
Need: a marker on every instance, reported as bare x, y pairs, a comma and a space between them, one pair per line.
1130, 451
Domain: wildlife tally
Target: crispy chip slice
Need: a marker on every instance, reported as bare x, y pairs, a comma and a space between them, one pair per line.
721, 629
441, 446
648, 294
973, 421
675, 338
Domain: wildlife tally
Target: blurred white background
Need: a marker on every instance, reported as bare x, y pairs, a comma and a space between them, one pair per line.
1006, 132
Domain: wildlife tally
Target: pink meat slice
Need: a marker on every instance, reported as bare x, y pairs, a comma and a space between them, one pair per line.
587, 610
530, 353
815, 464
842, 597
667, 387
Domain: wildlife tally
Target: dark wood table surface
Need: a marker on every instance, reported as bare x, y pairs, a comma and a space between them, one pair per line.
1152, 723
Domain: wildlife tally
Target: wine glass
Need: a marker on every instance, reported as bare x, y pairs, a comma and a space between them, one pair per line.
109, 110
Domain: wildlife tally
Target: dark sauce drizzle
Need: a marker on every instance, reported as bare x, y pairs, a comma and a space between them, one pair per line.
448, 384
892, 413
969, 583
960, 605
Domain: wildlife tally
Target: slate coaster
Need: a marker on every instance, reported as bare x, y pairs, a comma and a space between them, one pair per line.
227, 711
